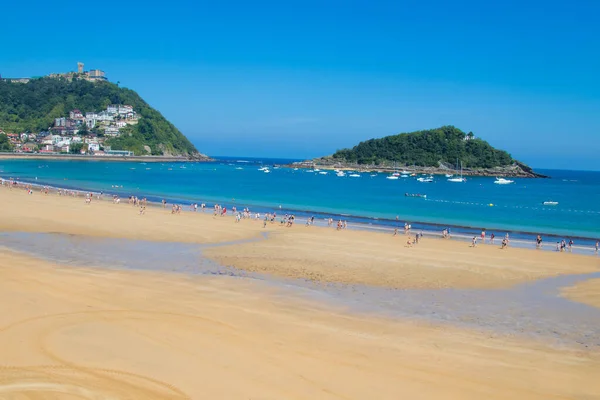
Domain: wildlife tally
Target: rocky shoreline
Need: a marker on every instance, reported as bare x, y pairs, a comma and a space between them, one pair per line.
516, 170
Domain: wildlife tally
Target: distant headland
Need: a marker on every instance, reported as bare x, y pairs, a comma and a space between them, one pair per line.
444, 150
83, 113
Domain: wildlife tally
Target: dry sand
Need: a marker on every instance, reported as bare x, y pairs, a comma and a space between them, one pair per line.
384, 260
587, 292
71, 215
74, 333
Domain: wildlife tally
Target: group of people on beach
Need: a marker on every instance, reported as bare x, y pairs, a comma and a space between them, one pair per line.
287, 220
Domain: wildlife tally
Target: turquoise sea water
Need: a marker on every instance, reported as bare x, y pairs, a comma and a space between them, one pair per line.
477, 203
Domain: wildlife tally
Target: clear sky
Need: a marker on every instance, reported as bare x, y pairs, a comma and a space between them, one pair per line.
304, 78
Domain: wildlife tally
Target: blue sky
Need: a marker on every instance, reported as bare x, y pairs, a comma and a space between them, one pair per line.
304, 78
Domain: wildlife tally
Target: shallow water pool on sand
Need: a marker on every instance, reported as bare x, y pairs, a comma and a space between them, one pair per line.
532, 309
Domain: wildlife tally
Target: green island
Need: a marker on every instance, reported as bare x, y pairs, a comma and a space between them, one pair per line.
76, 114
435, 151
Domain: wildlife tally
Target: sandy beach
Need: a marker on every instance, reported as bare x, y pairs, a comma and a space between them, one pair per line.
587, 292
70, 332
380, 259
91, 333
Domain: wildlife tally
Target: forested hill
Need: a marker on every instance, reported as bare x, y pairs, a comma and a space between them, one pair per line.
33, 106
428, 148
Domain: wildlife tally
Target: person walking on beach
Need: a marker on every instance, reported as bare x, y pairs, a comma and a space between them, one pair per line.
483, 236
571, 245
395, 231
597, 246
538, 242
474, 241
492, 236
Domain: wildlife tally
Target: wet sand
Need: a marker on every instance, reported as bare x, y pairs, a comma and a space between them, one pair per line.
587, 292
68, 332
378, 259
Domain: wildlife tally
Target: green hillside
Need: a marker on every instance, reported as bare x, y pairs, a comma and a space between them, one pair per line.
32, 107
427, 148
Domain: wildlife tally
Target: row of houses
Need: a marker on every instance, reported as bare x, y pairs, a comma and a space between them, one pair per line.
109, 121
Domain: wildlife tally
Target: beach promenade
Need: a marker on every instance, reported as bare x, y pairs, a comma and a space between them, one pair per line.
88, 331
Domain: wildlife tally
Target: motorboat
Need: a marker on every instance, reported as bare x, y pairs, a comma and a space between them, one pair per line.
266, 171
427, 179
322, 173
449, 175
423, 196
502, 181
404, 176
354, 175
550, 203
392, 177
340, 174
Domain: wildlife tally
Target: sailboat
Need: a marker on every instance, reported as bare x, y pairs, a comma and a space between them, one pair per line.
395, 170
461, 179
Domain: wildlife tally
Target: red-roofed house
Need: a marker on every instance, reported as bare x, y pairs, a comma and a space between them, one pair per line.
76, 114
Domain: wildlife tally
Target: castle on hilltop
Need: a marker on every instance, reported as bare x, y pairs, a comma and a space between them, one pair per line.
93, 75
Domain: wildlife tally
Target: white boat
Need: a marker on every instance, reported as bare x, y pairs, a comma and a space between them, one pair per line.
502, 181
426, 179
309, 170
404, 176
461, 179
266, 171
239, 168
341, 174
373, 175
263, 169
295, 169
391, 177
396, 173
550, 203
322, 173
317, 169
354, 175
405, 172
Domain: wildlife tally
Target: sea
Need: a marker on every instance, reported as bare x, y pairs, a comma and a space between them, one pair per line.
368, 200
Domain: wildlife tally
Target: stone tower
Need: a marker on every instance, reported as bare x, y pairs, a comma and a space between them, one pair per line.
80, 67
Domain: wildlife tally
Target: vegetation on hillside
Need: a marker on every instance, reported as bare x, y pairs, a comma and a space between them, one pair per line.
32, 107
427, 148
5, 143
